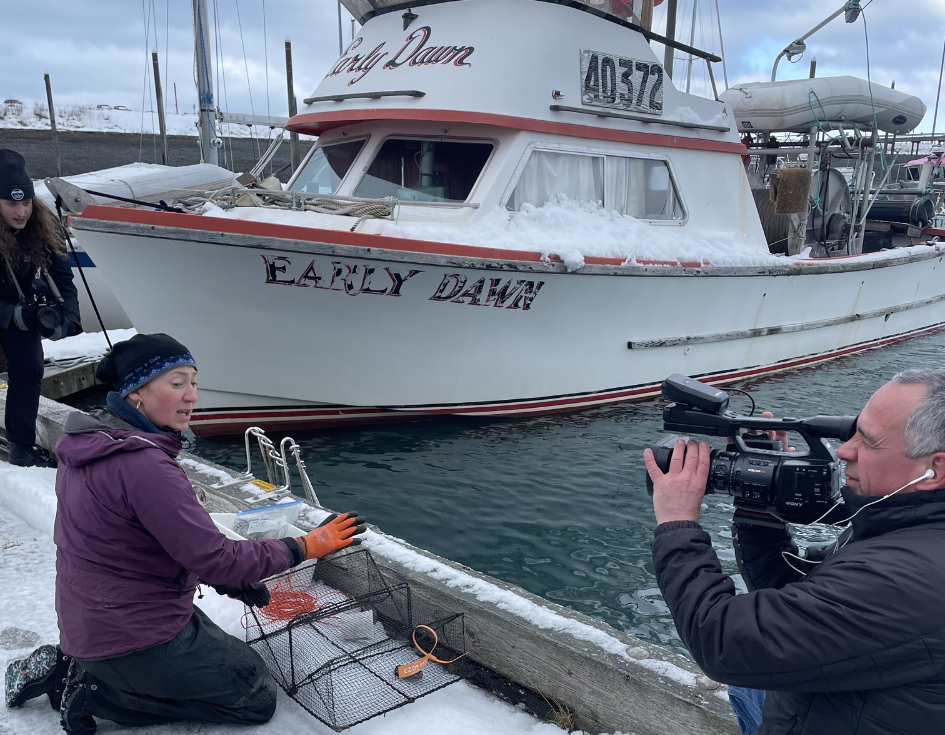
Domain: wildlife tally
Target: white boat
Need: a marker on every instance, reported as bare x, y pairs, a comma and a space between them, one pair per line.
141, 181
461, 111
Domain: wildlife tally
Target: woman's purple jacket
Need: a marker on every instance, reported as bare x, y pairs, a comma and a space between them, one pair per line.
132, 540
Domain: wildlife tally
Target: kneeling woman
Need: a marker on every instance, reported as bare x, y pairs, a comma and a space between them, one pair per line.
132, 543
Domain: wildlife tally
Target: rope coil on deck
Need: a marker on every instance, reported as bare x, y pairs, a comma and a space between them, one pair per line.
230, 198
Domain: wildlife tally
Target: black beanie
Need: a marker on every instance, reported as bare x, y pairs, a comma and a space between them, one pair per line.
139, 360
15, 184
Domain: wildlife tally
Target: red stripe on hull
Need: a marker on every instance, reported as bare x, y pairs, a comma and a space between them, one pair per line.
236, 421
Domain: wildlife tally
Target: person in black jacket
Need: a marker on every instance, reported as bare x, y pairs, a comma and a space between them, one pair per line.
32, 261
850, 641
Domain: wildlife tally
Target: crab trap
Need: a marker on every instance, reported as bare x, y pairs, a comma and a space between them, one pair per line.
349, 656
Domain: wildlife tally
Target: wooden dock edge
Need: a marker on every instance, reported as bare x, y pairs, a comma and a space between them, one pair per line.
642, 689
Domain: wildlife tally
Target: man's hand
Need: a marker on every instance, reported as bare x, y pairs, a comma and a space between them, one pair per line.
677, 495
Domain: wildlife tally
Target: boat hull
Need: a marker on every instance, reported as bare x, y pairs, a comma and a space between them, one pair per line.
318, 328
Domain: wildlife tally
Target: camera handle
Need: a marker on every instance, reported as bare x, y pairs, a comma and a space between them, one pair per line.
679, 418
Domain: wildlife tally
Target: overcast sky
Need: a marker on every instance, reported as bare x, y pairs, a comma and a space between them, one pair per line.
96, 51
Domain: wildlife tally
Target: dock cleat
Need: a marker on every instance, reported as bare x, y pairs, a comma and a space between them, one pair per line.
31, 677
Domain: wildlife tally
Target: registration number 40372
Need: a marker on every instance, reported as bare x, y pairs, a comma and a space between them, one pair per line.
619, 83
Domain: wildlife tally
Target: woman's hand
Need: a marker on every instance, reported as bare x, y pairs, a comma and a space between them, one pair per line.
334, 533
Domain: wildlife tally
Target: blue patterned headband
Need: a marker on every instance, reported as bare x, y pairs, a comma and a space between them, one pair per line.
152, 368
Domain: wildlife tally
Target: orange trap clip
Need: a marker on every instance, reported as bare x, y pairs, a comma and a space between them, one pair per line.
405, 671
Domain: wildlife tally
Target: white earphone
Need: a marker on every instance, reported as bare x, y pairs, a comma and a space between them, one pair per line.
927, 475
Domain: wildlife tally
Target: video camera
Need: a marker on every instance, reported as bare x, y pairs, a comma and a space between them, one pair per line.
765, 480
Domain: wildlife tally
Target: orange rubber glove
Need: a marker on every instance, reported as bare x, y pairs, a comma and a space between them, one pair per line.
334, 533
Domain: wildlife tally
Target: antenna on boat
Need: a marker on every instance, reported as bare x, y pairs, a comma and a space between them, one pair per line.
851, 9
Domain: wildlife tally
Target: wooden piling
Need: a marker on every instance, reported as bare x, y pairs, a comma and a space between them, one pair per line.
159, 98
293, 105
52, 125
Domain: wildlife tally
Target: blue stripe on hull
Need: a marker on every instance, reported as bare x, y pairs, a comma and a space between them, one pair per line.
84, 260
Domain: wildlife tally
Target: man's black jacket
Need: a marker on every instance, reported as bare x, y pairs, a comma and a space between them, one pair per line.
855, 647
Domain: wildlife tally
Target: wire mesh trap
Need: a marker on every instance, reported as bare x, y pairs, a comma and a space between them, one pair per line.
348, 656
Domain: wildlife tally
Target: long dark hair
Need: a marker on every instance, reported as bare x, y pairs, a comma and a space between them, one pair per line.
39, 242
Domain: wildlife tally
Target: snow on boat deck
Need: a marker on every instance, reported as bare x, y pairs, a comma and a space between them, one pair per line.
568, 229
28, 618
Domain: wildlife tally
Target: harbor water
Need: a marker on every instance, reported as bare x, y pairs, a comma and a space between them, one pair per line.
556, 504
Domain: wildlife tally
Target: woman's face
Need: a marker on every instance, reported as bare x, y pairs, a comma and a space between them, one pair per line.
16, 214
169, 399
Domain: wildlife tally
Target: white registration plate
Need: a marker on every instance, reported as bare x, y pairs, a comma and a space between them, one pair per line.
622, 84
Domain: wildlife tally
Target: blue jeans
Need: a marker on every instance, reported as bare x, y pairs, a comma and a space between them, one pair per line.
747, 704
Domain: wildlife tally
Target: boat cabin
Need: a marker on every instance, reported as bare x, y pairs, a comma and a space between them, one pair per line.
457, 108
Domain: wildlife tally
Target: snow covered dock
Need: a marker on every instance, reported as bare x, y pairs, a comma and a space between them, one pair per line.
611, 681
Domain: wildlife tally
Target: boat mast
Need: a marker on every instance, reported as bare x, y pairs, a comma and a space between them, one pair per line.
671, 35
692, 40
939, 93
209, 142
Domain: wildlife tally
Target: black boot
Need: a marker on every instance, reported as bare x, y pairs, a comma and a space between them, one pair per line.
59, 679
31, 677
24, 456
74, 711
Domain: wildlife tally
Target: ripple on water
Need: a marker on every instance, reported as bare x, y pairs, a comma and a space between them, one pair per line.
557, 504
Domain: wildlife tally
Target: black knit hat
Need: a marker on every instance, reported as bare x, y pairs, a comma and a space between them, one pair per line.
139, 360
15, 184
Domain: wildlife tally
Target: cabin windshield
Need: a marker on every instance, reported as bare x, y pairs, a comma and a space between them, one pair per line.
327, 167
417, 170
638, 187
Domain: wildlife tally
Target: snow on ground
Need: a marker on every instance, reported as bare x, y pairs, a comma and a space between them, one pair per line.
34, 115
87, 344
28, 618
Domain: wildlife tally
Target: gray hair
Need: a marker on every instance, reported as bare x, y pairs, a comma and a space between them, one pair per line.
925, 428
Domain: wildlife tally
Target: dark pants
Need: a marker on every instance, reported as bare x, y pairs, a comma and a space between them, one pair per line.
24, 353
203, 674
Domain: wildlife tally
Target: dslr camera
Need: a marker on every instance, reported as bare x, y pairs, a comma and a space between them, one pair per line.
49, 315
764, 480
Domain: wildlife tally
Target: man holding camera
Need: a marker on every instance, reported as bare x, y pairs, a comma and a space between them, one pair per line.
847, 639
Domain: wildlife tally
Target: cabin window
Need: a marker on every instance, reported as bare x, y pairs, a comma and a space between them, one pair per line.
638, 187
641, 188
415, 170
548, 173
327, 167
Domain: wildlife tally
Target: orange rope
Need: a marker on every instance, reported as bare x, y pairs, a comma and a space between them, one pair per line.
287, 602
416, 667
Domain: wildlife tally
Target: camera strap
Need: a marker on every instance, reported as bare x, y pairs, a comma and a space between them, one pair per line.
13, 278
52, 286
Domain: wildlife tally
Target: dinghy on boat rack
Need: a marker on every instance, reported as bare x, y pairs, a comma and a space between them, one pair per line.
445, 129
